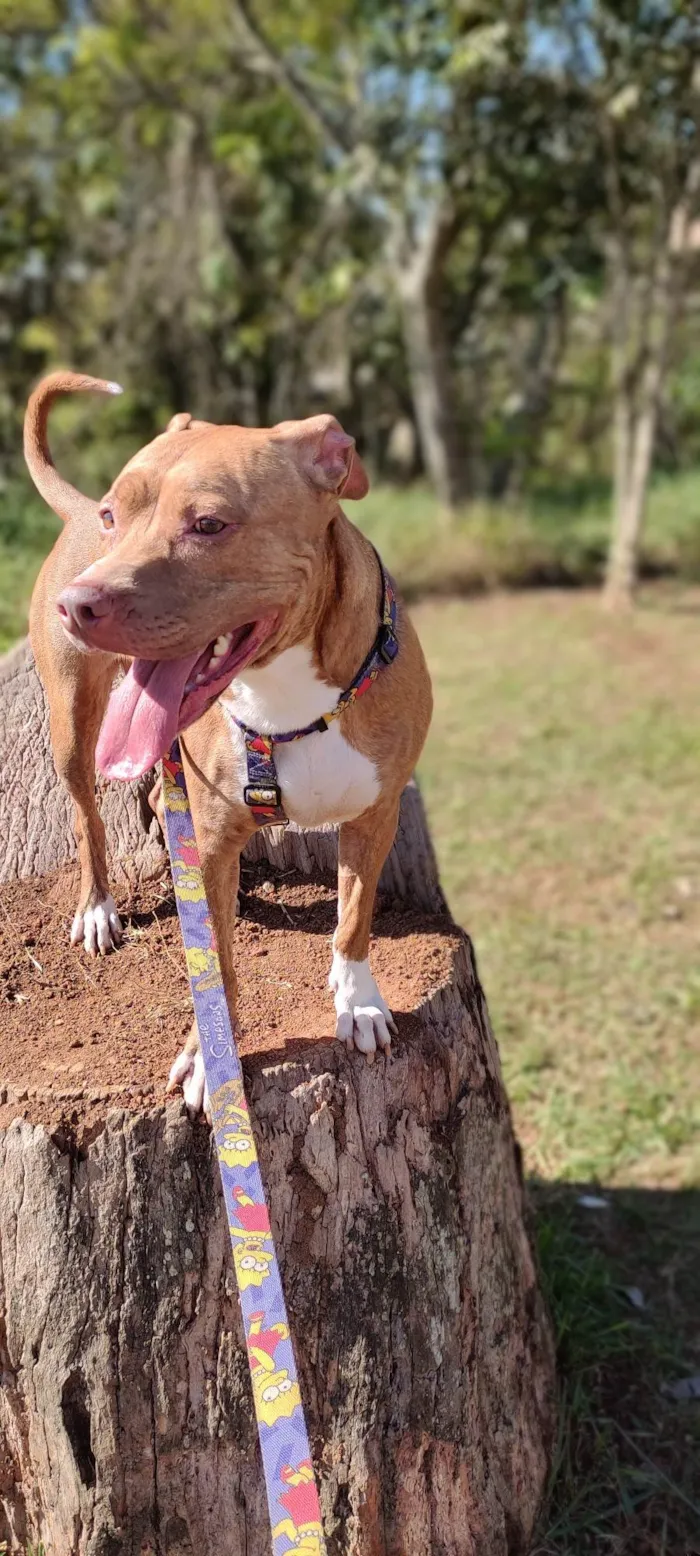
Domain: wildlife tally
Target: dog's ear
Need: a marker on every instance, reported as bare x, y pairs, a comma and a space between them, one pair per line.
326, 454
180, 422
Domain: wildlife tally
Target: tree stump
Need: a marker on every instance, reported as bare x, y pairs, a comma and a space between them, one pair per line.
425, 1354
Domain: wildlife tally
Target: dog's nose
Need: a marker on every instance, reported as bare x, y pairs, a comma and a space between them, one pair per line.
80, 606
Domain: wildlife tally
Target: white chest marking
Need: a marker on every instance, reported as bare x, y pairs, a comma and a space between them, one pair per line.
322, 777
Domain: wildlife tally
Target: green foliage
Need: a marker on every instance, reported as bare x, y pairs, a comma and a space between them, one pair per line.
559, 538
217, 215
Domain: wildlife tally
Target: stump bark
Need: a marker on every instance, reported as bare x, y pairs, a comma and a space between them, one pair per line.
397, 1206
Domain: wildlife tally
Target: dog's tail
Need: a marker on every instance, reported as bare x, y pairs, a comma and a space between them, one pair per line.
65, 499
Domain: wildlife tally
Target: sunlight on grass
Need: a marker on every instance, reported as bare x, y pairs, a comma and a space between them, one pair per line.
561, 781
551, 538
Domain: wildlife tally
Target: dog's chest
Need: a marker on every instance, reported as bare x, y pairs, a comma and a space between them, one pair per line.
322, 777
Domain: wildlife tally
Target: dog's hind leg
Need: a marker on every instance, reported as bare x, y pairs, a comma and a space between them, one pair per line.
77, 687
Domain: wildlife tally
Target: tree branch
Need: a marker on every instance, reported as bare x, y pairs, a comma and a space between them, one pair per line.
416, 257
468, 299
288, 78
685, 210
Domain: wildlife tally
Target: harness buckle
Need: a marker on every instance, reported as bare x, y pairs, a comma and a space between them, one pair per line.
388, 645
255, 794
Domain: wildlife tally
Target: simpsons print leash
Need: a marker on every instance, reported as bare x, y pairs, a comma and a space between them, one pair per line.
292, 1494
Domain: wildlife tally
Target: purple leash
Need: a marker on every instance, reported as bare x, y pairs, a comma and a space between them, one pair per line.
292, 1494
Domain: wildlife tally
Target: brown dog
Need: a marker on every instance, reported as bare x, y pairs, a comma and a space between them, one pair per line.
222, 567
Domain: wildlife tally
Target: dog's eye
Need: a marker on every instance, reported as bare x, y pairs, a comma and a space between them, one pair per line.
208, 526
106, 518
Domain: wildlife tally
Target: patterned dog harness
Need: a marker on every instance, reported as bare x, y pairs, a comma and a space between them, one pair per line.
295, 1513
262, 792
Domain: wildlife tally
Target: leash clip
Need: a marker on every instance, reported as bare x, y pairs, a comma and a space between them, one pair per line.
263, 794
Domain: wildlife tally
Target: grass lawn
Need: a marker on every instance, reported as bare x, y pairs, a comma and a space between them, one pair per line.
556, 537
561, 779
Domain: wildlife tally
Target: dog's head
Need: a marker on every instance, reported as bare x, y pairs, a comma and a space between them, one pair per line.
213, 556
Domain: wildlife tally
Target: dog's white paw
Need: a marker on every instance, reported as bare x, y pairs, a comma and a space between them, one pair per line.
188, 1072
99, 927
364, 1020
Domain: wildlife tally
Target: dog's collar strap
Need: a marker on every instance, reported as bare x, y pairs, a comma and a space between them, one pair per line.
289, 1475
262, 792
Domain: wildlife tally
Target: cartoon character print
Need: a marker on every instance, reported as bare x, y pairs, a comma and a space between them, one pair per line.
203, 967
275, 1394
227, 1096
188, 881
234, 1138
234, 1135
251, 1259
302, 1524
252, 1241
173, 783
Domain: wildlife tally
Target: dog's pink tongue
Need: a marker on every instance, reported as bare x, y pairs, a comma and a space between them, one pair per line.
141, 721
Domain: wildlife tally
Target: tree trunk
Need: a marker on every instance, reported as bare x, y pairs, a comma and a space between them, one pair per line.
418, 267
630, 504
634, 427
416, 262
37, 815
425, 1354
526, 426
638, 391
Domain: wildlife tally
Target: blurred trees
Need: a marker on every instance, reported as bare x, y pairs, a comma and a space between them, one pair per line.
470, 219
648, 107
637, 69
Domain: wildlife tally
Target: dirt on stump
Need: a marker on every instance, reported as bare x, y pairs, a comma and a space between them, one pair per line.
80, 1035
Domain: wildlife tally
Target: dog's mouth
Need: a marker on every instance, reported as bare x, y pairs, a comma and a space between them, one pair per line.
160, 697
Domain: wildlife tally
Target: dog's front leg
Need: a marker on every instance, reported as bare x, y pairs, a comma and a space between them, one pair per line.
363, 1018
77, 687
